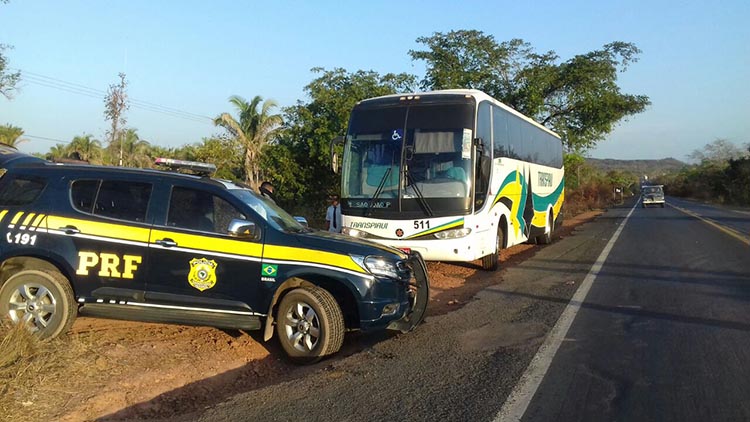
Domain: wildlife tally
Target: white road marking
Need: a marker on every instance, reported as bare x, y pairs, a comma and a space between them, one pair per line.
519, 399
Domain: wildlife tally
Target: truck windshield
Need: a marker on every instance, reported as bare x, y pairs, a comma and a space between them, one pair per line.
267, 210
409, 158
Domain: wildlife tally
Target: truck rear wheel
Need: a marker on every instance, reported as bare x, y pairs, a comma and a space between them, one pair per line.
41, 300
310, 324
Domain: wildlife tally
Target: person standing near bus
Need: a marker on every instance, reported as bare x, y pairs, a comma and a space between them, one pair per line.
266, 191
333, 215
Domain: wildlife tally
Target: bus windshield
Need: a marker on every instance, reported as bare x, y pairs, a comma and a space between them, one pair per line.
409, 158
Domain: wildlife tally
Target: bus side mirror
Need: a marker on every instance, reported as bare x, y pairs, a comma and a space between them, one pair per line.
335, 142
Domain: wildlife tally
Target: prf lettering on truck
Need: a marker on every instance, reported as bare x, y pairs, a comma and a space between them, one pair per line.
108, 264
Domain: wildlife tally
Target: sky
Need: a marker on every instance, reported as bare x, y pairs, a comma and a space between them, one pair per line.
184, 59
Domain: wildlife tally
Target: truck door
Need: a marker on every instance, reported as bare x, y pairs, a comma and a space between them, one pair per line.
196, 264
101, 224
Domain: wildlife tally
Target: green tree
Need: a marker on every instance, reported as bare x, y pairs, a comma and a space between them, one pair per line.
622, 179
136, 152
299, 164
57, 152
115, 105
738, 175
11, 135
86, 149
719, 152
574, 163
8, 79
578, 98
253, 129
224, 153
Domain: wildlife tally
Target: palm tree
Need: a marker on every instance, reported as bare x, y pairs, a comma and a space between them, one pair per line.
136, 152
253, 130
11, 135
87, 149
57, 152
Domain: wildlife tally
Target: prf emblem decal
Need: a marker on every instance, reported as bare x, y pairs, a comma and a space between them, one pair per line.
202, 273
269, 272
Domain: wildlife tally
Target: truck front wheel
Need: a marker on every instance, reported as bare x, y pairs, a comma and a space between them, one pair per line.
309, 324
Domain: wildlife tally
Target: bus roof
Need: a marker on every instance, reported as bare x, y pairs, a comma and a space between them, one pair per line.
475, 93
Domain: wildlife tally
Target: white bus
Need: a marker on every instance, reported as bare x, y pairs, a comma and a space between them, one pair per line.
454, 175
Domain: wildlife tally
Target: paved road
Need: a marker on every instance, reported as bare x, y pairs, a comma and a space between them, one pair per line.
457, 366
664, 334
735, 220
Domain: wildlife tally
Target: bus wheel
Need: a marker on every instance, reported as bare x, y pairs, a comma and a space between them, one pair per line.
491, 261
546, 238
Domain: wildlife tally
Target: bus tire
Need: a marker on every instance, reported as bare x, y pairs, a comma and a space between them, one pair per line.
491, 262
546, 238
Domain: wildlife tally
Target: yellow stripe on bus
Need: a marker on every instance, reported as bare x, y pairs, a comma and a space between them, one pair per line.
2, 214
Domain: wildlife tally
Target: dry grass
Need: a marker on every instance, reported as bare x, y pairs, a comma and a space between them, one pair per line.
590, 196
38, 377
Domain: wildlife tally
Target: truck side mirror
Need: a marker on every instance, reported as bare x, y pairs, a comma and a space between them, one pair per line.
243, 229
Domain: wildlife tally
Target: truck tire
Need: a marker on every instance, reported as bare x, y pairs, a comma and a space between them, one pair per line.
309, 324
42, 300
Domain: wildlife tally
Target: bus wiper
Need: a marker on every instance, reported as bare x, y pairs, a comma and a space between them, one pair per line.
420, 197
378, 191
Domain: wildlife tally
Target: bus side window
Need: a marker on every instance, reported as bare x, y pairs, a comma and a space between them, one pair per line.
483, 164
500, 132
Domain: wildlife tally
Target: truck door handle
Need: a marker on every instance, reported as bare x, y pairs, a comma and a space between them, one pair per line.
70, 230
166, 242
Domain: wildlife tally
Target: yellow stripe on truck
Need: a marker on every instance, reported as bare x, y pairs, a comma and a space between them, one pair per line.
16, 217
95, 228
37, 221
28, 218
209, 244
309, 255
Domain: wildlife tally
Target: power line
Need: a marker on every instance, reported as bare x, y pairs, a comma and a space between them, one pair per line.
79, 89
46, 139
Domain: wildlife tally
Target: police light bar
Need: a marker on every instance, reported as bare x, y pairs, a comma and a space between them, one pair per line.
193, 166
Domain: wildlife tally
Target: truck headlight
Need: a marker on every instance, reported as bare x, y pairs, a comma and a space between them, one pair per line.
381, 266
453, 234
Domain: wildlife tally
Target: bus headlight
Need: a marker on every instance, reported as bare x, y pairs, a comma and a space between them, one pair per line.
453, 234
354, 232
381, 266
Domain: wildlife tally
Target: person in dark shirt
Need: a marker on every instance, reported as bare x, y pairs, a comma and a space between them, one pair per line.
266, 191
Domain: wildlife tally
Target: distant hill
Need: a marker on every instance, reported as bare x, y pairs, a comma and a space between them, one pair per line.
651, 168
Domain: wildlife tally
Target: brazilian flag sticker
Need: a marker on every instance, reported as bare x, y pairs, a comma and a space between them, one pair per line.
269, 270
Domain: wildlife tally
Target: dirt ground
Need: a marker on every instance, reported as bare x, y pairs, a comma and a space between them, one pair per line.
112, 370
